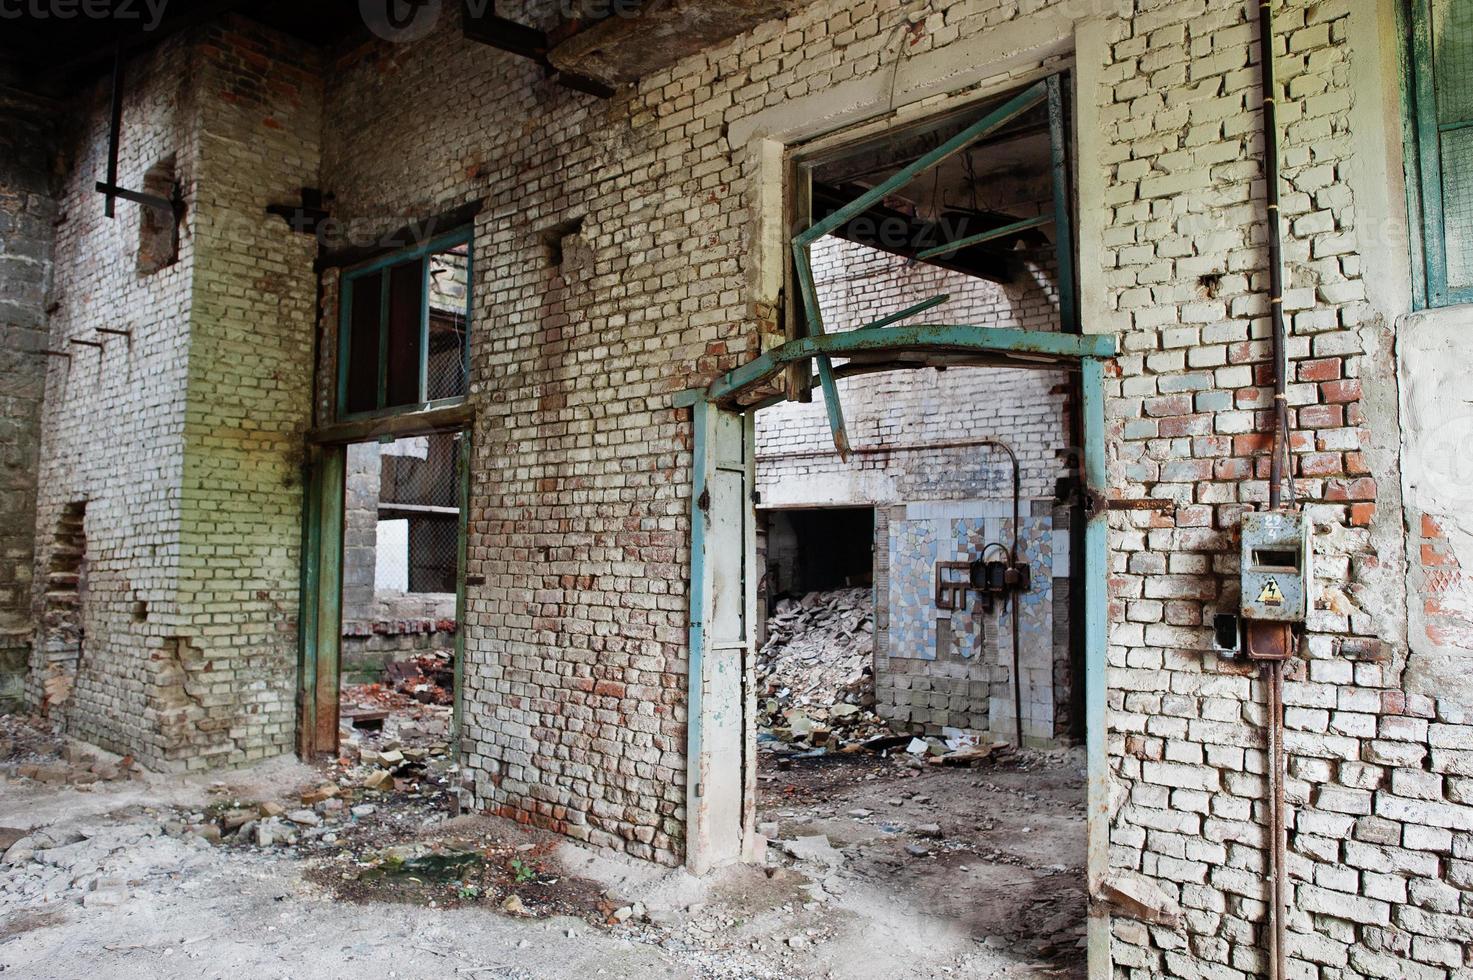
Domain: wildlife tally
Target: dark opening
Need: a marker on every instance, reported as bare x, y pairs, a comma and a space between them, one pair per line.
363, 337
816, 550
406, 303
553, 239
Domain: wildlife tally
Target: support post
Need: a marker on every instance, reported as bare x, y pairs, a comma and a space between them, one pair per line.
1096, 653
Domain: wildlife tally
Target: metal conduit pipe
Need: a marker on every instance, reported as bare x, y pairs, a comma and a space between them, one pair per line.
1013, 607
1273, 670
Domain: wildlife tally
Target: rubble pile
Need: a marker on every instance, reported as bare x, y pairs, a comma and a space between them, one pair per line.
29, 751
815, 673
428, 678
393, 755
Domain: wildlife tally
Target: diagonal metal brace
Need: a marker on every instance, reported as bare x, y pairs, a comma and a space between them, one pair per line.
804, 240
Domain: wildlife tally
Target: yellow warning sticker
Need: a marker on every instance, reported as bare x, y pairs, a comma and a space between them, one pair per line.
1271, 596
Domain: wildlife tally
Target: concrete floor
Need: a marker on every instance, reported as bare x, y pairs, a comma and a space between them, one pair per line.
109, 892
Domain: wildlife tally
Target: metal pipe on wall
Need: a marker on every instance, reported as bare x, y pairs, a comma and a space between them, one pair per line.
1013, 607
1273, 669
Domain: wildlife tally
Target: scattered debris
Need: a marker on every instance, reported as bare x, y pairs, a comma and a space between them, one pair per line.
816, 672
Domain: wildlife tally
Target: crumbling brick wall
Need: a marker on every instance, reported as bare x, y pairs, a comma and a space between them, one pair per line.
183, 438
575, 681
1378, 794
26, 214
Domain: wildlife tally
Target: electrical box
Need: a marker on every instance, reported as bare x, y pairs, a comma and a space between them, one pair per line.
1276, 570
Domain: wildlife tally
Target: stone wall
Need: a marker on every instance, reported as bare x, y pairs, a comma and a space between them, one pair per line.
27, 211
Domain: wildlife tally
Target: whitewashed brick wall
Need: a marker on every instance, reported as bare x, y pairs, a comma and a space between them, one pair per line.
576, 650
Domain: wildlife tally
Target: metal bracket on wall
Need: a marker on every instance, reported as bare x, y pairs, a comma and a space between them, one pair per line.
1096, 504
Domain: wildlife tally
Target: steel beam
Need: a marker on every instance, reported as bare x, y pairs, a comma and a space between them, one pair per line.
959, 338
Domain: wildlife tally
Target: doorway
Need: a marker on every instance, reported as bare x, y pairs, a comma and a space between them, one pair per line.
384, 595
867, 194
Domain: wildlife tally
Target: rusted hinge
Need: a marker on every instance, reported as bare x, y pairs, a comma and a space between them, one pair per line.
704, 501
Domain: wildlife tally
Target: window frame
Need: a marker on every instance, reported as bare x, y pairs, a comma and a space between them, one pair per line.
1422, 138
382, 264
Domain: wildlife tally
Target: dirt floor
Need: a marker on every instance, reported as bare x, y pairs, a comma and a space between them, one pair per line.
286, 870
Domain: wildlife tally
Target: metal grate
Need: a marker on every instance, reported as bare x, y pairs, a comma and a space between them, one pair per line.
1452, 58
420, 497
449, 279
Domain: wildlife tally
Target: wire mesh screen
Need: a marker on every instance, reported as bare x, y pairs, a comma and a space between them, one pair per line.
1452, 58
1452, 40
445, 367
419, 514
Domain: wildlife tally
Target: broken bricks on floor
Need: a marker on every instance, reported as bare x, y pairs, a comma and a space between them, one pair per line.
322, 808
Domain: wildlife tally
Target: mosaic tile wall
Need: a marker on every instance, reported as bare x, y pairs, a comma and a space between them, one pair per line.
954, 668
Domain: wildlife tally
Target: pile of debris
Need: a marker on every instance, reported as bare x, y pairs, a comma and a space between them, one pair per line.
428, 678
815, 673
28, 750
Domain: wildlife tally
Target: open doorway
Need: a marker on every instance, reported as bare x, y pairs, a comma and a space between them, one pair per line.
402, 518
955, 784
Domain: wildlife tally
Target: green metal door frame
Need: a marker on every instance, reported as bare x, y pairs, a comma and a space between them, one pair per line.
321, 618
1085, 353
319, 636
1047, 92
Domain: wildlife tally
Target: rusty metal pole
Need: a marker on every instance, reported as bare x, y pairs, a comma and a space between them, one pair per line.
1274, 641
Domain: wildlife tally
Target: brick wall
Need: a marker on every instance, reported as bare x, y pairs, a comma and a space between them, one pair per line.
183, 440
113, 440
1379, 833
575, 711
26, 214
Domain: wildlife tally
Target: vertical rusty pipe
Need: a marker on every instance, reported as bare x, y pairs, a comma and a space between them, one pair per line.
1274, 670
1013, 604
1278, 970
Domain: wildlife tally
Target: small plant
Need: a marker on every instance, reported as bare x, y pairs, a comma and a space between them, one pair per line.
524, 872
469, 891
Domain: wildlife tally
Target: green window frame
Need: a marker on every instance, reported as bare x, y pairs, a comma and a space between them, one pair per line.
357, 285
1439, 139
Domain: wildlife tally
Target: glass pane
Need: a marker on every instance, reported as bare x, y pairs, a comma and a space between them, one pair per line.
448, 291
406, 308
364, 294
1457, 206
1452, 41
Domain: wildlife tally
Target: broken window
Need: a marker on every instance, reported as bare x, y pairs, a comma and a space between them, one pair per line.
404, 330
1440, 147
982, 193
